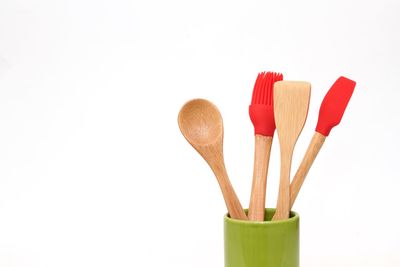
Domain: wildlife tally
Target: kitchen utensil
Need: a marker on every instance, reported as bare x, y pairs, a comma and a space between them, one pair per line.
291, 100
201, 124
330, 115
261, 113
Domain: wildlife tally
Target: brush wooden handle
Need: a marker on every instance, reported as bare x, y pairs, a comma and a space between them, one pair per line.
312, 151
258, 190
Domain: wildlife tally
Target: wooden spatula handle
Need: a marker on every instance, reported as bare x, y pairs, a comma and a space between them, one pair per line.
283, 205
258, 190
312, 151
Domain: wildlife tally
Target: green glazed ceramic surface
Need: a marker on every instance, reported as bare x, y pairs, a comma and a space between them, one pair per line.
262, 244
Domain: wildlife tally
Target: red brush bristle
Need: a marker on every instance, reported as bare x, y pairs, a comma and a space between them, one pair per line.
261, 110
264, 87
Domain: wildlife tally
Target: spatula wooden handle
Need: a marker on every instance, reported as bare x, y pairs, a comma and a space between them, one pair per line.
312, 151
258, 190
283, 205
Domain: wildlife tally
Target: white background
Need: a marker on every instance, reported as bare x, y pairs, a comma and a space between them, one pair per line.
94, 170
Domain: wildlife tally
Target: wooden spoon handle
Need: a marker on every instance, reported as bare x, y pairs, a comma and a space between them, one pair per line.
258, 190
232, 202
216, 161
312, 151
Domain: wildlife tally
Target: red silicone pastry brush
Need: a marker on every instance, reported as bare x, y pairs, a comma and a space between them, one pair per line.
261, 113
330, 115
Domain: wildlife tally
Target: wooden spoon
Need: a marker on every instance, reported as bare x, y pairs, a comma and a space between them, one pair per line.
291, 100
201, 124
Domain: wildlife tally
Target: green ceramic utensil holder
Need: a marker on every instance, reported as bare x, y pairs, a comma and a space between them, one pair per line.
262, 244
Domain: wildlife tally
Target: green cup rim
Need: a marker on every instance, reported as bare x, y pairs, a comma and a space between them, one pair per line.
294, 216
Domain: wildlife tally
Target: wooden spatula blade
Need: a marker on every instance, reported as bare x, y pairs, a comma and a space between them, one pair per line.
291, 100
334, 105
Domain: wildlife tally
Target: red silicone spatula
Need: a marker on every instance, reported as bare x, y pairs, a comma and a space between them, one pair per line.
330, 115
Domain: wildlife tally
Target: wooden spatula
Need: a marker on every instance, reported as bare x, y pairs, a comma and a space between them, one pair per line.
291, 100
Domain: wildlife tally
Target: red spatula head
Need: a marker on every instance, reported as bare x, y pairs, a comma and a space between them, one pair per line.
334, 105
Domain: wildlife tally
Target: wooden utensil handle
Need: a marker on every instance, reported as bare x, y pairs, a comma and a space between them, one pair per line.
283, 205
312, 151
262, 150
232, 202
216, 162
235, 209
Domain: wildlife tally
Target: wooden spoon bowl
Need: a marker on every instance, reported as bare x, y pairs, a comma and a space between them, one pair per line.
200, 122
